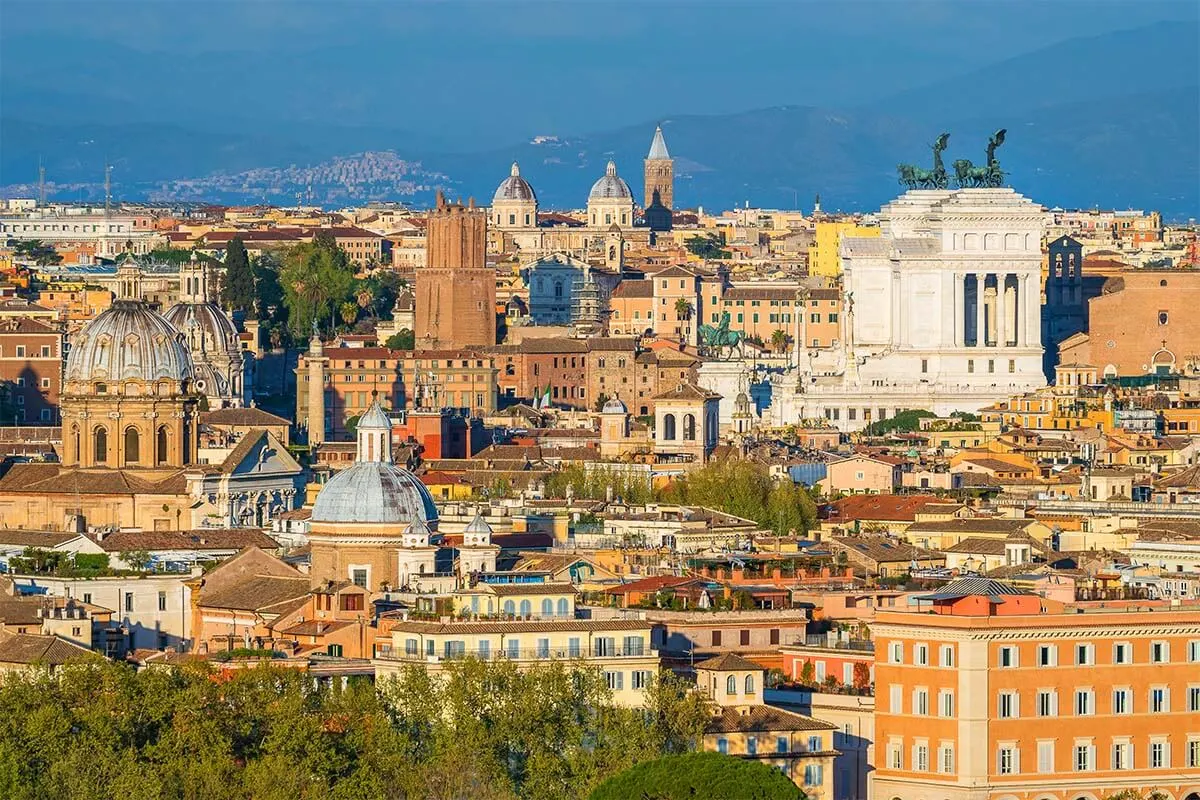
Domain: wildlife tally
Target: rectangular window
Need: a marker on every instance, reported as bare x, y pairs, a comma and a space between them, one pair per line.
751, 745
896, 653
896, 699
514, 648
1120, 756
484, 649
1194, 651
1160, 652
129, 601
920, 701
716, 638
1085, 655
1121, 701
722, 745
781, 744
1160, 702
970, 365
1047, 655
162, 601
946, 759
1047, 703
1193, 753
1008, 705
1159, 755
947, 655
1122, 653
641, 678
615, 680
924, 365
1006, 762
573, 649
1045, 755
1008, 656
1193, 698
921, 758
411, 647
1084, 702
921, 654
895, 757
814, 774
945, 703
543, 648
1085, 757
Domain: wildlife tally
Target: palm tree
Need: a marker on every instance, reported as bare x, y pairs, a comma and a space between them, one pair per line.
349, 313
779, 340
683, 308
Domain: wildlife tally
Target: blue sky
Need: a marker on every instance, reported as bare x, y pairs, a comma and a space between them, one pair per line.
468, 73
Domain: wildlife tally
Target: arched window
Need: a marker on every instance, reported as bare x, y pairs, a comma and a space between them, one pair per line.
75, 443
547, 607
689, 427
749, 684
526, 608
131, 446
669, 427
160, 445
731, 685
558, 289
100, 446
510, 608
564, 607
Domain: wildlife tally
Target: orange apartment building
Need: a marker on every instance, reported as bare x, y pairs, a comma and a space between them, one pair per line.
988, 692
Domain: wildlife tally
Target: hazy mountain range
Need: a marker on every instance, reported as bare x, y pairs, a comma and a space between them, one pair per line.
1110, 120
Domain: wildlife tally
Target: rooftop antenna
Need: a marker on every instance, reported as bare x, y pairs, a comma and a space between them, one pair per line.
41, 182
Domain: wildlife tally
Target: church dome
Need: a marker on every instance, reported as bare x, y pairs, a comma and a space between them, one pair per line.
611, 186
129, 341
514, 187
374, 491
614, 406
205, 326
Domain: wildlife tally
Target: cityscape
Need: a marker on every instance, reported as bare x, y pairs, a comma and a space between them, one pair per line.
456, 468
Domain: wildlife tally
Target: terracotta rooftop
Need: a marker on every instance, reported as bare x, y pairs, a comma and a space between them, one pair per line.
764, 718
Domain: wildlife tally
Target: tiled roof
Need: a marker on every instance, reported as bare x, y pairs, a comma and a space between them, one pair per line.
248, 417
199, 539
972, 587
978, 545
34, 648
1003, 525
634, 289
687, 390
257, 592
764, 718
18, 537
887, 507
727, 662
56, 479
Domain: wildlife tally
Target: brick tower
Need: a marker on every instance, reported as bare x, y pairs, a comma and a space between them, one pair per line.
660, 173
456, 290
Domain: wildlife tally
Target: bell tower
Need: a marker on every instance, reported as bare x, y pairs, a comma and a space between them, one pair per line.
455, 290
659, 173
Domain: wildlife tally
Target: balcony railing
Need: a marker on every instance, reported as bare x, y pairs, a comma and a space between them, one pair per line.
521, 654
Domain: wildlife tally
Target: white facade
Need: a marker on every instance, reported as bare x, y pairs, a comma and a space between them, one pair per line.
109, 233
943, 313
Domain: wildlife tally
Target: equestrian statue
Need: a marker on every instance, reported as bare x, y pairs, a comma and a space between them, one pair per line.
914, 177
716, 338
990, 176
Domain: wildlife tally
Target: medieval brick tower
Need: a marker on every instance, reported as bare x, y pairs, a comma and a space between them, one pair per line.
660, 173
456, 291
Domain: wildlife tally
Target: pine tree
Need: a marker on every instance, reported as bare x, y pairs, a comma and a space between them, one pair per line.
237, 293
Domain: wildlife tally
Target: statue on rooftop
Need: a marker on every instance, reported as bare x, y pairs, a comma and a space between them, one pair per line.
989, 176
914, 177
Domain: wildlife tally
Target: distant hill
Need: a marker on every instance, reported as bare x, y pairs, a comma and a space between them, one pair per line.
1110, 120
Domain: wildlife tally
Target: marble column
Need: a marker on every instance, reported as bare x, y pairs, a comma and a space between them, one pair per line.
960, 309
1001, 311
980, 330
1031, 305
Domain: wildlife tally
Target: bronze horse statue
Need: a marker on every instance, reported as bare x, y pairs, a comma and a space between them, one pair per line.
967, 175
913, 177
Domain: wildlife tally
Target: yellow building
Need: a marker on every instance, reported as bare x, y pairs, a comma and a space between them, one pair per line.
517, 600
744, 725
620, 648
823, 253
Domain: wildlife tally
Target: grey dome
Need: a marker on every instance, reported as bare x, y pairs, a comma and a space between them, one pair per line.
374, 419
614, 406
514, 187
374, 491
611, 186
479, 525
205, 325
129, 342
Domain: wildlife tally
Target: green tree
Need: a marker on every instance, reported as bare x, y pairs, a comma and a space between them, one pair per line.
708, 247
402, 340
861, 676
348, 312
238, 291
746, 489
683, 308
42, 254
779, 340
904, 422
316, 278
170, 255
808, 674
699, 776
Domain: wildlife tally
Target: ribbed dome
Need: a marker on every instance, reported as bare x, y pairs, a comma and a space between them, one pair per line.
374, 491
514, 187
479, 525
205, 325
614, 406
610, 186
129, 342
